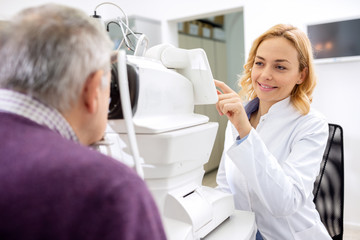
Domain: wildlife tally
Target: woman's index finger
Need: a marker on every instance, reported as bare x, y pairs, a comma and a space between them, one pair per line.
223, 87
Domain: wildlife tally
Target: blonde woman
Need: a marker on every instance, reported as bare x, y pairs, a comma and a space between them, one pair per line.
274, 144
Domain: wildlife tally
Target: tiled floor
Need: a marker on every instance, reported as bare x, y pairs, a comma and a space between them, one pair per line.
350, 233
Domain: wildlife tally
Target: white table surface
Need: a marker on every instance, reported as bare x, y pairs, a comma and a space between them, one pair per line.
240, 226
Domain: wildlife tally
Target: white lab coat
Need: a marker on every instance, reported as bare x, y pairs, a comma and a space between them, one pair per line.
272, 172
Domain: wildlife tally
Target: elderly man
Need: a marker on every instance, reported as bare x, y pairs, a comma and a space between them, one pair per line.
54, 96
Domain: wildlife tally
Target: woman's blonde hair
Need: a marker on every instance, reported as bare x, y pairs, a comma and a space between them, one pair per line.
301, 95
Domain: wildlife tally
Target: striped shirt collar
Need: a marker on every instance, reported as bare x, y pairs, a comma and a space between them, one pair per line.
253, 106
30, 108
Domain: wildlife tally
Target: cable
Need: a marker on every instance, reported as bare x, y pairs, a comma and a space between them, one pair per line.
124, 34
127, 112
142, 41
110, 3
126, 19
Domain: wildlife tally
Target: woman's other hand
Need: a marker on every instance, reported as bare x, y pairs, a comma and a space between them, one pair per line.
230, 104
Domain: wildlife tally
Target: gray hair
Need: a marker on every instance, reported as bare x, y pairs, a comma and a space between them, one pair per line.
49, 51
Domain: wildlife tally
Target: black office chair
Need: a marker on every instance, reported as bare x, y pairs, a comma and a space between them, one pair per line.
329, 185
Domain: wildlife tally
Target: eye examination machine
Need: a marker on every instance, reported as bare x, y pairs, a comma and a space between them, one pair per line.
152, 127
174, 143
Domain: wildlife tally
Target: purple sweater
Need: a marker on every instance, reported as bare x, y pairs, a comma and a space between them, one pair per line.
53, 188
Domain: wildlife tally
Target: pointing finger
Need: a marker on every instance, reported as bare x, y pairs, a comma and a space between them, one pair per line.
223, 87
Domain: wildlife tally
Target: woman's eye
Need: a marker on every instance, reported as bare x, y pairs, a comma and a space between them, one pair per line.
281, 67
259, 63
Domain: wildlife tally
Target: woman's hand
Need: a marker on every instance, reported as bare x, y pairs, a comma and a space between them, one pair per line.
231, 105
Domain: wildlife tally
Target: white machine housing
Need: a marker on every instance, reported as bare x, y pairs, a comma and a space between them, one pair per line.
175, 142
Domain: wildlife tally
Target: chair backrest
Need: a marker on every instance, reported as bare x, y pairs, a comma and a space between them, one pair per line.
329, 185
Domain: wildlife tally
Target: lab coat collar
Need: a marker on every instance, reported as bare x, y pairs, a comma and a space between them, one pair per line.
280, 106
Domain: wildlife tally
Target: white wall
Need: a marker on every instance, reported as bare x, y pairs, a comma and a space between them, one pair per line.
156, 9
336, 95
10, 7
168, 12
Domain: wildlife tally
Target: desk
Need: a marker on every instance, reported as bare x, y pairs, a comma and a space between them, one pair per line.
240, 226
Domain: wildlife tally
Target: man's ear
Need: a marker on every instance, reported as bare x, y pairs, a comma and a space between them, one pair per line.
91, 91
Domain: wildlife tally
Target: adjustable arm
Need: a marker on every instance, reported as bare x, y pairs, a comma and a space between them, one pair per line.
192, 64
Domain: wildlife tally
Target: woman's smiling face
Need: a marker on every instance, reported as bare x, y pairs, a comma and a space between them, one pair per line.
276, 70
